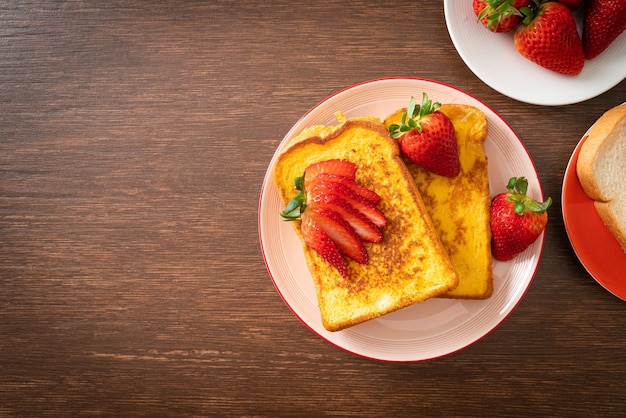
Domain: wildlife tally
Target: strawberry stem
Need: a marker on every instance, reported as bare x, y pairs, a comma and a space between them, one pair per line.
517, 188
529, 12
496, 10
411, 119
296, 206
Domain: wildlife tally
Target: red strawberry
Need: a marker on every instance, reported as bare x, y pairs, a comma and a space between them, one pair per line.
358, 202
350, 184
572, 4
427, 138
604, 21
364, 228
500, 15
338, 167
335, 216
516, 220
340, 231
315, 237
548, 37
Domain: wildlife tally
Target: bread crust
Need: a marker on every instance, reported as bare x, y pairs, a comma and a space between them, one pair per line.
611, 222
594, 139
602, 132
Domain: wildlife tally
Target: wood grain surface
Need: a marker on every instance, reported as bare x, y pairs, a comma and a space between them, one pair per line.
134, 139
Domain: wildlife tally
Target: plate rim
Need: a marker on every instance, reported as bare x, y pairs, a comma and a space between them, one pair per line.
521, 293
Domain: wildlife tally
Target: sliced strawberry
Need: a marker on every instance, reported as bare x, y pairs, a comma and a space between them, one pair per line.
336, 213
315, 237
361, 204
340, 231
363, 191
338, 167
365, 229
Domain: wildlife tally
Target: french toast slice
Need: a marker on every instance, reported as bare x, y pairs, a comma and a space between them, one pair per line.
409, 265
459, 206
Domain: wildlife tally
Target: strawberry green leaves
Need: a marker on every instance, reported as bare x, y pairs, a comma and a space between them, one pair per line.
517, 188
411, 119
297, 204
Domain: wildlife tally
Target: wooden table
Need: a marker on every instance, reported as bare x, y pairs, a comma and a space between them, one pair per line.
134, 139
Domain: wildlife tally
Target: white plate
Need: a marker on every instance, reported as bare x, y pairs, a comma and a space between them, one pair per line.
494, 59
433, 328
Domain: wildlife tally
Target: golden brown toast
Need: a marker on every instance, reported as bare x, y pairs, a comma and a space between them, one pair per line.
459, 206
409, 266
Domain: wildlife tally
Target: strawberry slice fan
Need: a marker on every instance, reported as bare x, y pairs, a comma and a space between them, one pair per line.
337, 214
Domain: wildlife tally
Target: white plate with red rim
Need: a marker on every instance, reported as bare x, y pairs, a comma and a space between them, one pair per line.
436, 327
493, 59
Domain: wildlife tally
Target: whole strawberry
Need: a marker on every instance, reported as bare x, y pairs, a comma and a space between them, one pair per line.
604, 21
548, 37
499, 15
516, 220
427, 138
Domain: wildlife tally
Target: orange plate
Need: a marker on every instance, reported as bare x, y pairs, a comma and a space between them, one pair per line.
598, 251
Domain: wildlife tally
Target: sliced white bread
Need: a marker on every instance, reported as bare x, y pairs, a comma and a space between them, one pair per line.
601, 169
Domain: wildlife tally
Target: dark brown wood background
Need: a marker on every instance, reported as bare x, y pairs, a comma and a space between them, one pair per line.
134, 138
